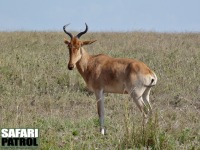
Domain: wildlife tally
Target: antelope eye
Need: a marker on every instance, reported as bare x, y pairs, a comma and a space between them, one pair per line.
69, 45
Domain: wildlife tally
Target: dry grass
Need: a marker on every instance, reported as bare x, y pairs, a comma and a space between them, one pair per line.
37, 90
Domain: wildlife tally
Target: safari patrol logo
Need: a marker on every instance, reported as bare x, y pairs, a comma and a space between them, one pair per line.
21, 138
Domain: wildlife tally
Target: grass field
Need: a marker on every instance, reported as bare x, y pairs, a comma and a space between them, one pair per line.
38, 91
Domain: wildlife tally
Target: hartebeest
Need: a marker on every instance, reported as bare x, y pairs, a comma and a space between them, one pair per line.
105, 74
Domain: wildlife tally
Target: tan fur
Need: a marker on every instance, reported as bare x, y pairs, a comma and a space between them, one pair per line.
111, 74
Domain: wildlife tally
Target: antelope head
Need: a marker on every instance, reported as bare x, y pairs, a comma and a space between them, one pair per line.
74, 46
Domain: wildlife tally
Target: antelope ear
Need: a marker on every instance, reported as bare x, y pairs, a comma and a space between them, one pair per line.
88, 42
66, 41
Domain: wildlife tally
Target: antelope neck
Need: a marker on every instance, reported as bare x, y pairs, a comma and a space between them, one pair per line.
83, 62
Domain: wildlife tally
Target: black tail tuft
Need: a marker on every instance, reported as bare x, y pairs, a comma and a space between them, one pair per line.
151, 84
152, 80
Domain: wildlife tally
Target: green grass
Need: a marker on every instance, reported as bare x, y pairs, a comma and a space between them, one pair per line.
38, 91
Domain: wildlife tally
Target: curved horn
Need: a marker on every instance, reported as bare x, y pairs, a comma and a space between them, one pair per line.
71, 36
81, 33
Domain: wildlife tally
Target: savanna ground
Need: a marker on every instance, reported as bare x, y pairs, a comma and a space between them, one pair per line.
38, 91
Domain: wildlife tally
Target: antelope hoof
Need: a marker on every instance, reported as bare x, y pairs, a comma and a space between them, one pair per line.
103, 131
